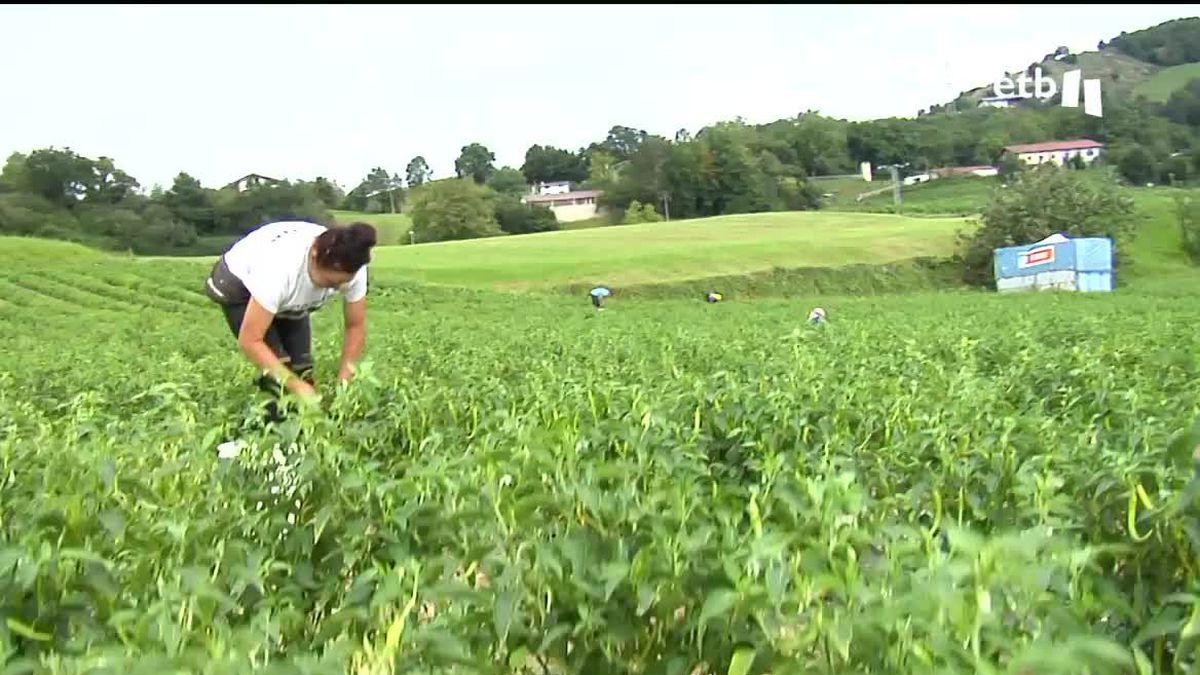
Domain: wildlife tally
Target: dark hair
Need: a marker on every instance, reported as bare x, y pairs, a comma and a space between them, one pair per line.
345, 249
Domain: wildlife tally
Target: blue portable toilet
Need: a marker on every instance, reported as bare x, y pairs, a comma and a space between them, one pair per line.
1056, 262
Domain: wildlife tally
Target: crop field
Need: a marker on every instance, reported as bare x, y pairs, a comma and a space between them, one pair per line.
948, 483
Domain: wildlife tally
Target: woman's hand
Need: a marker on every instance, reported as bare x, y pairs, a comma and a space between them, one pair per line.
304, 391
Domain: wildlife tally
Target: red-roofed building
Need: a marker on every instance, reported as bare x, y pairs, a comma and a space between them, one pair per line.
1058, 152
979, 170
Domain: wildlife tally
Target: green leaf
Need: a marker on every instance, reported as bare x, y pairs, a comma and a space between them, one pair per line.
504, 613
517, 659
1097, 649
25, 631
1144, 666
1192, 628
1184, 445
718, 603
1167, 622
114, 522
646, 597
740, 663
553, 635
23, 666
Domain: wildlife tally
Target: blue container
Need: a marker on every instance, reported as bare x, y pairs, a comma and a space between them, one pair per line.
1057, 262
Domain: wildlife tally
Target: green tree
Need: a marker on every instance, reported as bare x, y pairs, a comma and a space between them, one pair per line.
191, 203
509, 182
108, 184
1136, 164
1040, 202
623, 141
379, 192
59, 176
239, 212
26, 214
475, 162
602, 170
1011, 165
544, 164
457, 208
738, 182
638, 212
162, 233
417, 173
328, 192
1176, 169
517, 218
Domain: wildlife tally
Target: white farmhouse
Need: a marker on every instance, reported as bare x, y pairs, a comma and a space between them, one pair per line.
569, 206
1058, 152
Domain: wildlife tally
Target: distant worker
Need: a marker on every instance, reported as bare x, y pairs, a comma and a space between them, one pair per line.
816, 317
598, 294
713, 296
269, 282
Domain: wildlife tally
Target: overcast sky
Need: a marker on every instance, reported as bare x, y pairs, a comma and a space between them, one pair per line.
300, 91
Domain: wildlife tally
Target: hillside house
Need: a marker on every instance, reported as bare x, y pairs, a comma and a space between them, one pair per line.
568, 205
1058, 152
555, 187
251, 180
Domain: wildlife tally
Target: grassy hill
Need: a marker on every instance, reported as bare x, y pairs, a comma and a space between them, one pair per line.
678, 250
1120, 73
1162, 84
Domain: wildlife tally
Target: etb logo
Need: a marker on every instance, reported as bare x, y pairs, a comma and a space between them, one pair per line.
1045, 87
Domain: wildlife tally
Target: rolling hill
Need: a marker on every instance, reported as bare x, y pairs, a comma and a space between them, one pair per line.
678, 250
1161, 85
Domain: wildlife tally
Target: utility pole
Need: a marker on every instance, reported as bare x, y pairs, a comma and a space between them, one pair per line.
666, 202
895, 184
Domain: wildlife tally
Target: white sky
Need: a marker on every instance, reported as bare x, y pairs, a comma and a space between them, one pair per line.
300, 91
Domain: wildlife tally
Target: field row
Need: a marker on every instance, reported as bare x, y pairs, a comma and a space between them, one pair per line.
940, 483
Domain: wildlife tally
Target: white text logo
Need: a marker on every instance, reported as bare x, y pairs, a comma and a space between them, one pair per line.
1045, 87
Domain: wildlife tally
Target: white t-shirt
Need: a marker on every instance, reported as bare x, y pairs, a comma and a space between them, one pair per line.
272, 262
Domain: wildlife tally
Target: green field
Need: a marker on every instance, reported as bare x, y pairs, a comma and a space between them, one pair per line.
952, 483
682, 249
1166, 81
392, 228
844, 188
958, 195
756, 244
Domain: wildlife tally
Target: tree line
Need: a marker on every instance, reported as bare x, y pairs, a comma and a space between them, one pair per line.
57, 193
728, 167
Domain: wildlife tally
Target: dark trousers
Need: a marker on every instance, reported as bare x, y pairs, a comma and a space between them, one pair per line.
289, 338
